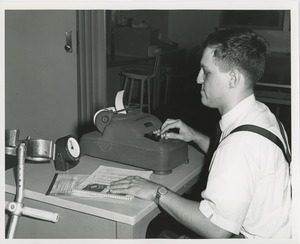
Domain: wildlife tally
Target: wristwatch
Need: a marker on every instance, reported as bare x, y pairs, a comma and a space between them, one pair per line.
160, 192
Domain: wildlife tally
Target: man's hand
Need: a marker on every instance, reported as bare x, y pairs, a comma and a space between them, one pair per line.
135, 186
185, 132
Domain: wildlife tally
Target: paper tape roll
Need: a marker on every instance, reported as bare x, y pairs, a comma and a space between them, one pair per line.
119, 106
101, 110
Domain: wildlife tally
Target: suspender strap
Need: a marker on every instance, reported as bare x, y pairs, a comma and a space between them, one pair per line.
283, 133
267, 134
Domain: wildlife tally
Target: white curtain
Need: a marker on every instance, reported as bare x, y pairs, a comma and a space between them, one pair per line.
91, 66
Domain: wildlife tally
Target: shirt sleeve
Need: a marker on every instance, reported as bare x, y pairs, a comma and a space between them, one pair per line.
231, 182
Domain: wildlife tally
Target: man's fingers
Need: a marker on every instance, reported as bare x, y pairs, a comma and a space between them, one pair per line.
172, 136
167, 125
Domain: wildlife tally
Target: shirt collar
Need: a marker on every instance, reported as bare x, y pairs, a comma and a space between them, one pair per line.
236, 111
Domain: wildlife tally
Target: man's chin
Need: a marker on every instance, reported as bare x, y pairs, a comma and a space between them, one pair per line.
206, 103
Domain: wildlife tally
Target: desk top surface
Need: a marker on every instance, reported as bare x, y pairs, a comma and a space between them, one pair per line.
39, 176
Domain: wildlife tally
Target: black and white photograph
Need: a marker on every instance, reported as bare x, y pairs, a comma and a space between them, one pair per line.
157, 120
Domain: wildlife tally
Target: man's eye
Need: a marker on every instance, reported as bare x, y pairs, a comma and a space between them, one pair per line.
205, 74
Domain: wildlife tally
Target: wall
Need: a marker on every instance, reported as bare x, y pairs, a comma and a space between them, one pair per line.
92, 81
189, 28
153, 18
40, 77
280, 40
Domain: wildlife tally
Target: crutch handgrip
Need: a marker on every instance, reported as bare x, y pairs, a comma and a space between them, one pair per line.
40, 214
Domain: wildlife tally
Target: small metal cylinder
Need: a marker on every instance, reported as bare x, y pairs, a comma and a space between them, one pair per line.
40, 150
12, 138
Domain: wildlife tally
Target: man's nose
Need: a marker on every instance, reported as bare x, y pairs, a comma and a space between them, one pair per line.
200, 77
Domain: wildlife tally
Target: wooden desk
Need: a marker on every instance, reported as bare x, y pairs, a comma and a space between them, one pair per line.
87, 218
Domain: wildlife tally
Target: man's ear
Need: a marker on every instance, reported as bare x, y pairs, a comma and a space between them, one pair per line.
235, 78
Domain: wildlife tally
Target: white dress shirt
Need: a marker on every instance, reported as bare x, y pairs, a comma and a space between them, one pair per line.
249, 187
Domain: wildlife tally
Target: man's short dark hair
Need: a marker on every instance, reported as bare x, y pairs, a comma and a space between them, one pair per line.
240, 49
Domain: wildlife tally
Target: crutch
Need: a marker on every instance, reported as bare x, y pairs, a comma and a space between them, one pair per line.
37, 149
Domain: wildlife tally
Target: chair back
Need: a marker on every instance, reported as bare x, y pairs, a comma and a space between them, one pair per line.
156, 63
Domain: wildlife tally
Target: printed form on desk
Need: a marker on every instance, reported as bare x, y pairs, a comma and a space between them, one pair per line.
94, 185
104, 175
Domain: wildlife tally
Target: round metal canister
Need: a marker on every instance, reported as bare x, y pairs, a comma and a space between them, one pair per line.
39, 150
11, 141
12, 138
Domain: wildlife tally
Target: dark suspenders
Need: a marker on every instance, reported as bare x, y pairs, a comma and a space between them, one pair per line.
269, 135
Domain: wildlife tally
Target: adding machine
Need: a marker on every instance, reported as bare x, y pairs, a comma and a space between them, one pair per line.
127, 138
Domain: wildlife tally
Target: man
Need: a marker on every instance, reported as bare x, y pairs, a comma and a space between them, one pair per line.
248, 190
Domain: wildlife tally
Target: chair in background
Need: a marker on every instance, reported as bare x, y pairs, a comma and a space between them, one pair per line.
142, 77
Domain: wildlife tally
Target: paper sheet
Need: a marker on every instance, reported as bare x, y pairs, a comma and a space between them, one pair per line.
63, 184
104, 175
119, 102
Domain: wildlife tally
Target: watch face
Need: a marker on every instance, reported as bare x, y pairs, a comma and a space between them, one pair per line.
73, 147
162, 190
